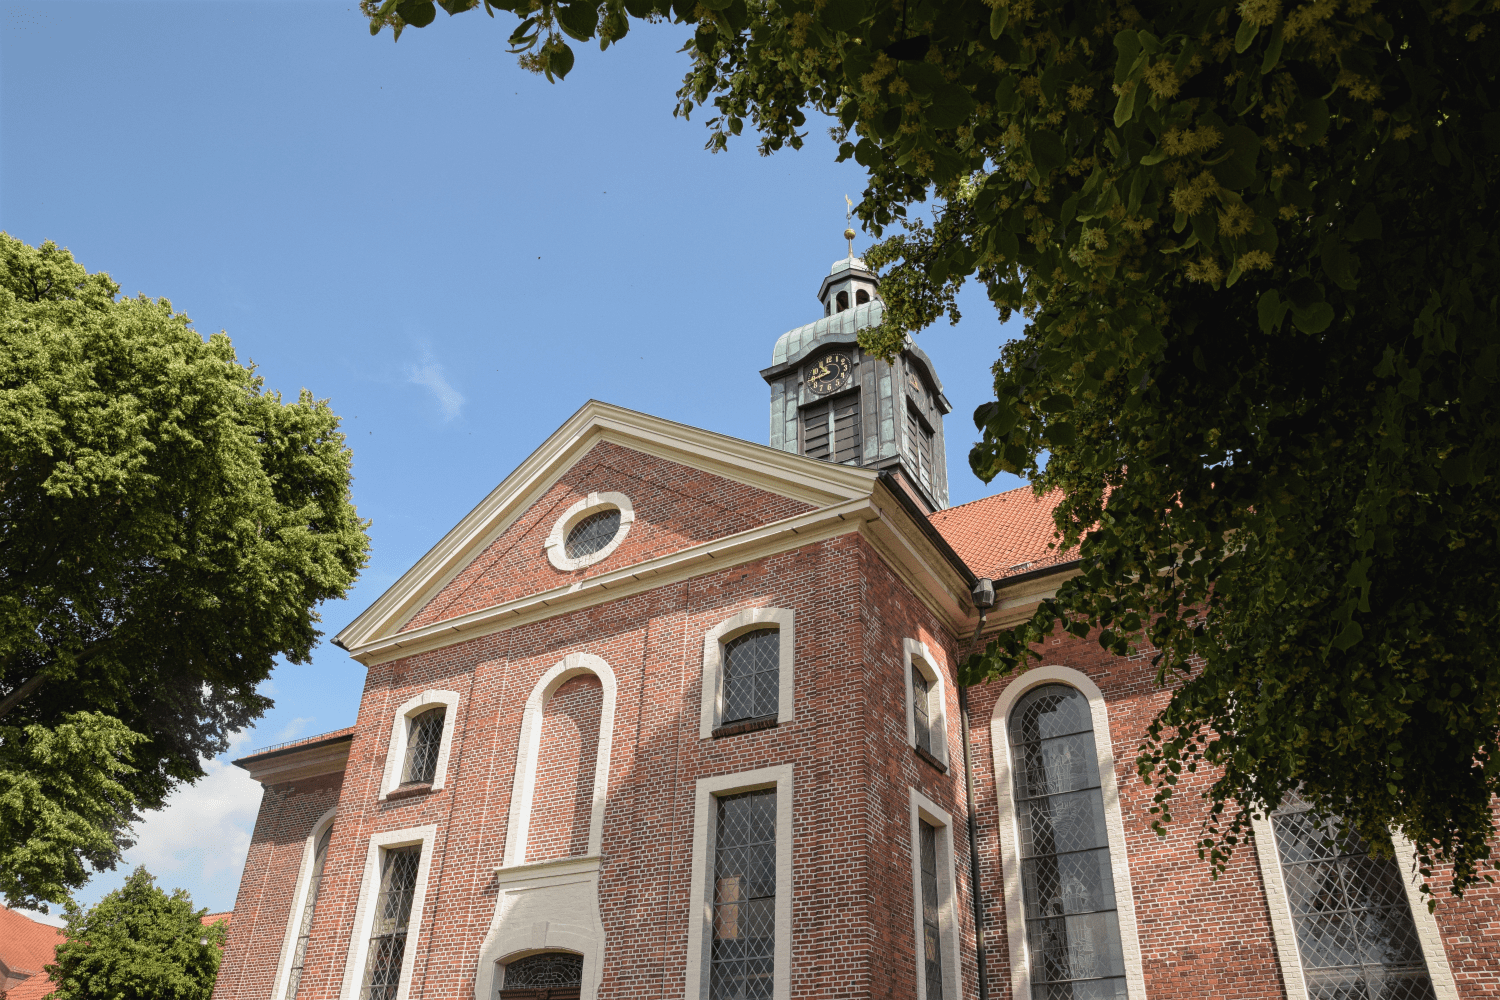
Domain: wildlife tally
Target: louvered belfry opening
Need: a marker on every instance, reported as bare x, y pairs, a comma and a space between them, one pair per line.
752, 675
744, 942
831, 430
424, 739
1355, 933
919, 442
1067, 882
398, 886
550, 975
932, 939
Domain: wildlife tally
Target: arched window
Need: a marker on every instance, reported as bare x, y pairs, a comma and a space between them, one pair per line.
861, 297
550, 975
1067, 883
422, 746
304, 921
752, 678
843, 301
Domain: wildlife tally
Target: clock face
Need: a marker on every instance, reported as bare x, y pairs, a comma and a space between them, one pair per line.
829, 373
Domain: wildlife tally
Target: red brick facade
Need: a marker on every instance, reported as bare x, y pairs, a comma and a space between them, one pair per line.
856, 598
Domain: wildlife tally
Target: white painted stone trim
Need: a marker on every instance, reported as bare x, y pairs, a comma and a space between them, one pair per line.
1114, 824
557, 549
1284, 931
544, 906
395, 755
785, 620
923, 808
299, 899
700, 924
364, 913
916, 652
523, 788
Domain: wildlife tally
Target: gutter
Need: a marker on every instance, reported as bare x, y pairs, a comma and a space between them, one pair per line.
928, 529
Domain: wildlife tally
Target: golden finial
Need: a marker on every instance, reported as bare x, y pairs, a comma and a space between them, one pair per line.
849, 233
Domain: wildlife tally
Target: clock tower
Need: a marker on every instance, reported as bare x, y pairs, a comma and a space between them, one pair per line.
831, 401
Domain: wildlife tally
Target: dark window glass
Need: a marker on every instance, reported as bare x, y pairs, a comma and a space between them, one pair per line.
752, 675
1067, 885
921, 699
744, 941
551, 970
304, 925
423, 740
932, 941
919, 443
593, 533
398, 884
843, 301
1355, 933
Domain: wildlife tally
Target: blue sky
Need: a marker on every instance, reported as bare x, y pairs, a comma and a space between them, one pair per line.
454, 252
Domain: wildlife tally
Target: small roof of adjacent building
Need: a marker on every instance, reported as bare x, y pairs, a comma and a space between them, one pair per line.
25, 946
1006, 534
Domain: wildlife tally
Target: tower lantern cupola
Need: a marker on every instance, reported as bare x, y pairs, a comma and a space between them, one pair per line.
831, 401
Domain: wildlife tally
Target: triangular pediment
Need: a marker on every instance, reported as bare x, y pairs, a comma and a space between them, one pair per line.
687, 488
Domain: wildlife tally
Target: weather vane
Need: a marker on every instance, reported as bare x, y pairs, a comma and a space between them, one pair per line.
849, 233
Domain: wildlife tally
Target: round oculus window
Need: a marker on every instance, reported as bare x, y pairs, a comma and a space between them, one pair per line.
592, 533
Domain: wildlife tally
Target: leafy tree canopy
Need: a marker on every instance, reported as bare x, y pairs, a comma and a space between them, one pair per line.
138, 943
167, 530
1254, 245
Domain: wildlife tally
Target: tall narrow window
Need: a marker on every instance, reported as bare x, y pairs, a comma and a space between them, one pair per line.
919, 438
422, 744
1067, 885
752, 675
304, 923
1355, 934
552, 975
932, 939
398, 885
744, 928
921, 707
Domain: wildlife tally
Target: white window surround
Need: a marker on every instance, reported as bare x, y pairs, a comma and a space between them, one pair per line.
1284, 932
714, 640
923, 808
547, 906
1114, 824
395, 755
364, 913
557, 541
299, 897
524, 785
914, 652
700, 924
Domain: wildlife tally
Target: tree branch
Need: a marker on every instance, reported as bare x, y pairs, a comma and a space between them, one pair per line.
21, 693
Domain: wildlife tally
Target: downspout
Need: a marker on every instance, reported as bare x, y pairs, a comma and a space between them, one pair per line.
984, 599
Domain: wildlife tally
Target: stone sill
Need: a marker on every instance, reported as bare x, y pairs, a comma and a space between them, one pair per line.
746, 726
931, 760
408, 791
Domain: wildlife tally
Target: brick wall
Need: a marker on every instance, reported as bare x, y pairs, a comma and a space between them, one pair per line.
566, 757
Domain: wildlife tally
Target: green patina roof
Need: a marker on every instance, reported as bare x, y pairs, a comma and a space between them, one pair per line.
840, 326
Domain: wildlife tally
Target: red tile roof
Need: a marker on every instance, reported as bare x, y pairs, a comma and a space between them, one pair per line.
216, 918
25, 946
1004, 535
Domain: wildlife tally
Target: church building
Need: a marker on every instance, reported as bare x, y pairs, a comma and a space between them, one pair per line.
673, 715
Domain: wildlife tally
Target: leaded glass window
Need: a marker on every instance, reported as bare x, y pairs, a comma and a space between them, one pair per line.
424, 739
593, 533
398, 886
553, 974
304, 923
932, 939
1067, 884
921, 702
744, 929
752, 675
1355, 933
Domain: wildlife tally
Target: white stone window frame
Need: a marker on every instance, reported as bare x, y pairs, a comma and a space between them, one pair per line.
701, 913
299, 899
714, 641
1114, 824
557, 541
523, 788
1284, 932
916, 654
395, 755
545, 906
923, 808
364, 913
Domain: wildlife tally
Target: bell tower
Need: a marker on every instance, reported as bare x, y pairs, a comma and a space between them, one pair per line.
831, 401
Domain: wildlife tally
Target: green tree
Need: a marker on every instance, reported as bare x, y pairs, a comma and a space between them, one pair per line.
1255, 249
138, 943
167, 530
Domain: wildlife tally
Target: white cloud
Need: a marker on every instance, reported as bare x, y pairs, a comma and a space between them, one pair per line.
431, 375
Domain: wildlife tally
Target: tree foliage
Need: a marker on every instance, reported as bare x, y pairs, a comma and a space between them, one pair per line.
138, 943
1255, 249
167, 529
